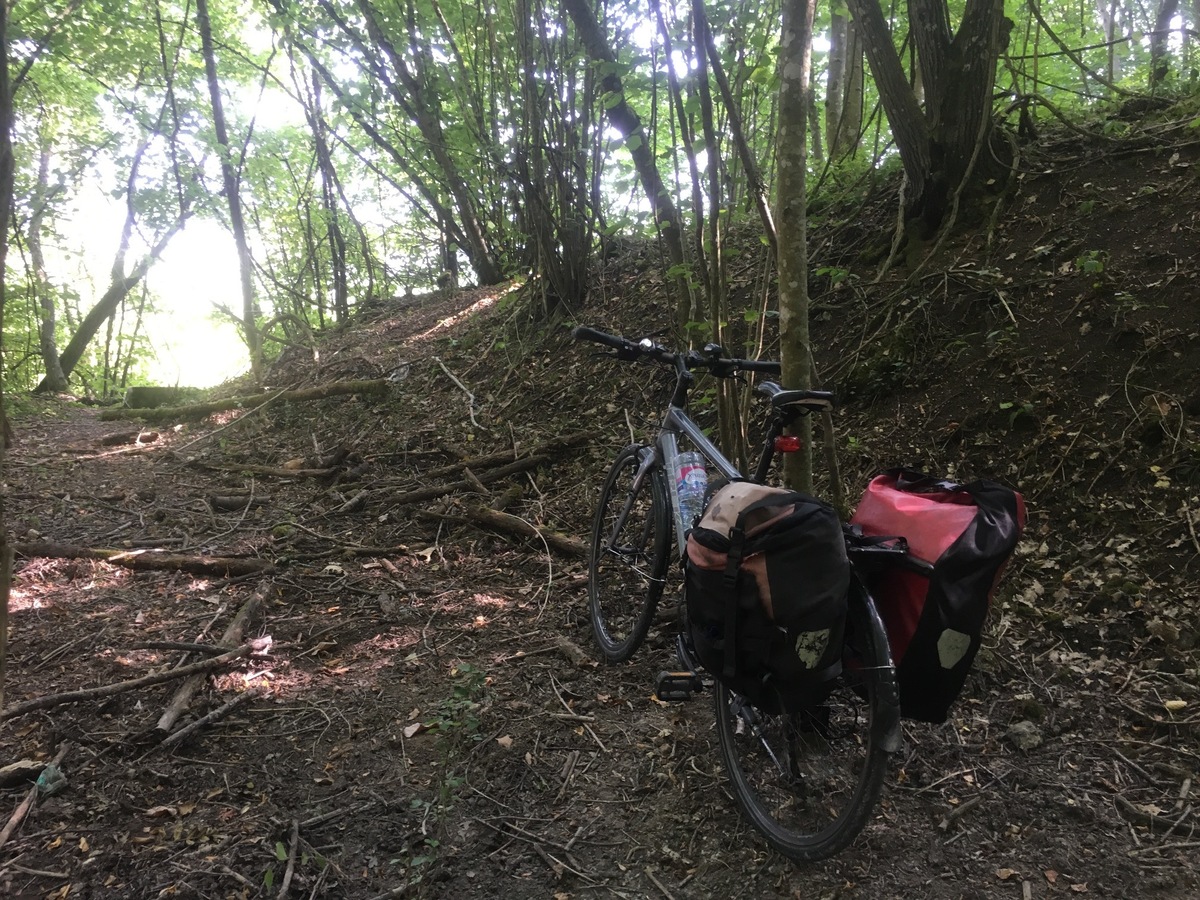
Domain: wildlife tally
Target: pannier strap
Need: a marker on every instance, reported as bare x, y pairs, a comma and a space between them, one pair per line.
733, 564
729, 669
733, 559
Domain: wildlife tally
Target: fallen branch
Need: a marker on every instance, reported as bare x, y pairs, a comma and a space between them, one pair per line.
172, 740
40, 873
1187, 517
107, 690
232, 636
958, 812
357, 503
18, 816
440, 490
200, 410
278, 471
506, 456
291, 861
149, 559
230, 424
1162, 824
234, 503
335, 814
22, 810
182, 646
465, 390
506, 522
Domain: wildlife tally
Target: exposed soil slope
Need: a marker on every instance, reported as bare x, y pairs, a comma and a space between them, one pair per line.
430, 720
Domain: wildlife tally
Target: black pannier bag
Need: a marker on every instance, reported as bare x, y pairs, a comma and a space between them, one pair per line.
960, 538
765, 586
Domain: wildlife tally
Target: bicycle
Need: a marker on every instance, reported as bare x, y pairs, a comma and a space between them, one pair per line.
809, 780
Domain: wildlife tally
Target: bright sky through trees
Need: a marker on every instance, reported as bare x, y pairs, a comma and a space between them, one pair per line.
197, 273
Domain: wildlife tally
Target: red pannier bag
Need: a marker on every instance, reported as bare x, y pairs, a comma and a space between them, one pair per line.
959, 538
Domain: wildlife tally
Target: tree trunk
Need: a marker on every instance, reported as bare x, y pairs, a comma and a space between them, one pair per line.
339, 274
939, 146
1160, 62
791, 217
1106, 11
121, 283
629, 125
552, 206
757, 184
6, 196
420, 105
843, 96
701, 300
55, 379
229, 178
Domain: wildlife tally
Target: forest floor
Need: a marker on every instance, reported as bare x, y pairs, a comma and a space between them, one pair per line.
430, 719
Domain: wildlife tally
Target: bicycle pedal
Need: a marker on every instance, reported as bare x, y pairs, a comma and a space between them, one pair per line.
675, 686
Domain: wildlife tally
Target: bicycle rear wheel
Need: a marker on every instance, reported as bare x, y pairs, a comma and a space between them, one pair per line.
809, 780
628, 563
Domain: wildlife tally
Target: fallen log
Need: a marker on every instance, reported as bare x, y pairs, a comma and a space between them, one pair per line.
22, 770
234, 503
128, 437
439, 490
200, 410
182, 646
149, 559
231, 638
278, 471
173, 740
107, 690
520, 527
506, 456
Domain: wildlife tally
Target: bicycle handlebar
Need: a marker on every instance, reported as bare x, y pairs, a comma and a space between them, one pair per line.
719, 366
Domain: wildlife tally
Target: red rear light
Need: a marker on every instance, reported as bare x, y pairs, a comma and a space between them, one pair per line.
788, 443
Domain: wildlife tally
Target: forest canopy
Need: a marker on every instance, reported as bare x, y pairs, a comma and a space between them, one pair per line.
358, 151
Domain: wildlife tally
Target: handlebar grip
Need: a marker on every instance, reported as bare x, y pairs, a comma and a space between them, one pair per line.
583, 333
767, 366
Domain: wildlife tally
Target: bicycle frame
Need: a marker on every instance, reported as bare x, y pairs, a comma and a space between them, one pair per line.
677, 423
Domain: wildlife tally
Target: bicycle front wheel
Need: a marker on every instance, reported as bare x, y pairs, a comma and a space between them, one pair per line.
630, 548
809, 780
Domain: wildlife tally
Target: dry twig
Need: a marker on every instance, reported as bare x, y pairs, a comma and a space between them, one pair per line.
107, 690
233, 634
22, 810
173, 740
291, 861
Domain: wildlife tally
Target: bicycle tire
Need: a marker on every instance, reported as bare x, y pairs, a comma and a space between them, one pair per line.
813, 798
627, 570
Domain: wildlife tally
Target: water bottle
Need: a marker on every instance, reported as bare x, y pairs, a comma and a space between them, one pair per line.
691, 482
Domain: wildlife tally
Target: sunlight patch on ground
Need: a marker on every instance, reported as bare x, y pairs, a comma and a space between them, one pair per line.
484, 303
360, 664
39, 583
19, 601
491, 600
